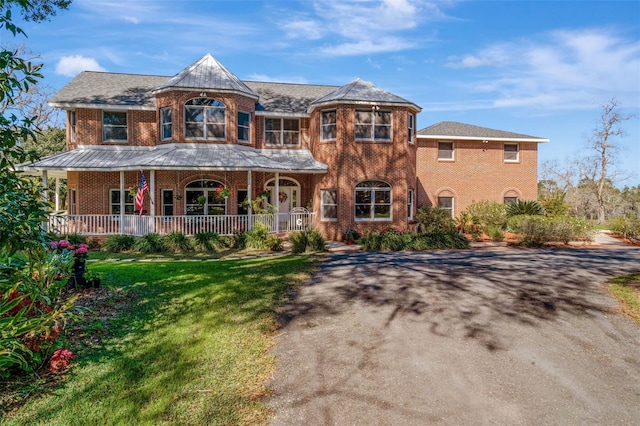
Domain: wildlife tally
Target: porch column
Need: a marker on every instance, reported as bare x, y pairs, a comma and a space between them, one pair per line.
45, 197
152, 196
249, 191
277, 200
122, 195
57, 199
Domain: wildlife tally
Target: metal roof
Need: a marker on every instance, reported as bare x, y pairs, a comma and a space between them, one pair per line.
228, 157
207, 74
453, 129
360, 91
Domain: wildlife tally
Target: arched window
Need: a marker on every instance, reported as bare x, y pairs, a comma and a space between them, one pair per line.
204, 118
201, 198
373, 201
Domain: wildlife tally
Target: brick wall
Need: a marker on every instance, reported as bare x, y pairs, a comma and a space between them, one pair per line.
478, 172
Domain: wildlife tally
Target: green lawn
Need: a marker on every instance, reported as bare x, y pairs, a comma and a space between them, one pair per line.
190, 348
627, 290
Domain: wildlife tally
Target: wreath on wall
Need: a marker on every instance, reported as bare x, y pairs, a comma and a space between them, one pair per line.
282, 196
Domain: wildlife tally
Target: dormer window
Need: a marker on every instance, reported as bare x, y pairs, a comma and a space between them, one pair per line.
204, 118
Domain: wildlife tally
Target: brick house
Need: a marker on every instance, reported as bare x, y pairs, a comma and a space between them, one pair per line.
329, 156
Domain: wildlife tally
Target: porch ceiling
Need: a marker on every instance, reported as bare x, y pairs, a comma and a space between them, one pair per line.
226, 157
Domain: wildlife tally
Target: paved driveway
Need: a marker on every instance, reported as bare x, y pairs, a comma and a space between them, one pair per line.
516, 336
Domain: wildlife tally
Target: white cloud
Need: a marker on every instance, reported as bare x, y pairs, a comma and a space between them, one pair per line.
71, 65
131, 19
562, 69
271, 79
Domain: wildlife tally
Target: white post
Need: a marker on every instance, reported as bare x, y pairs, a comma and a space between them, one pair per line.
277, 200
57, 199
45, 197
152, 194
249, 191
122, 195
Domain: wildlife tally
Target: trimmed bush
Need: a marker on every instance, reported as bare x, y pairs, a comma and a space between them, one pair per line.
488, 213
538, 230
433, 219
150, 243
118, 243
178, 242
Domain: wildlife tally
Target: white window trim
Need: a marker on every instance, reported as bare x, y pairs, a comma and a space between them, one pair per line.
453, 151
322, 125
372, 217
173, 204
163, 124
125, 126
411, 127
373, 126
204, 122
504, 151
111, 204
248, 140
72, 125
453, 203
322, 205
281, 131
411, 201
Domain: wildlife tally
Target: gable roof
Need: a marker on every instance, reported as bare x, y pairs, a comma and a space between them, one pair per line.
360, 91
286, 98
207, 74
462, 131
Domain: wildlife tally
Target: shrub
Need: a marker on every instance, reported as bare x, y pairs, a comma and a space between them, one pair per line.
538, 230
524, 207
494, 232
118, 243
75, 239
309, 240
469, 224
208, 240
239, 240
274, 243
257, 237
430, 219
150, 243
488, 213
178, 242
352, 235
438, 240
628, 227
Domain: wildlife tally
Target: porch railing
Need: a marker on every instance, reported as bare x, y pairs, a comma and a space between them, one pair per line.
106, 224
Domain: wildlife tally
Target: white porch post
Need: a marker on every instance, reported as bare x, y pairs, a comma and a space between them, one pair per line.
152, 195
57, 199
249, 191
45, 196
122, 195
277, 200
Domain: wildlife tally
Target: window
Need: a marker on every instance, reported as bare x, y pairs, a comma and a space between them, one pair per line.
373, 201
167, 202
329, 204
282, 131
328, 125
509, 200
201, 198
243, 197
244, 126
204, 118
410, 203
446, 203
411, 127
72, 126
511, 152
166, 127
72, 202
373, 125
114, 126
129, 207
445, 151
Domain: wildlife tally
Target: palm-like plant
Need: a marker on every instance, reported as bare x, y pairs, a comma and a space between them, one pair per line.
525, 207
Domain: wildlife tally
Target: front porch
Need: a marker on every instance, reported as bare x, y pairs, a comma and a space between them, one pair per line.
108, 224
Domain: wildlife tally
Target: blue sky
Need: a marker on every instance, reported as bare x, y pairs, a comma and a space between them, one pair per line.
541, 68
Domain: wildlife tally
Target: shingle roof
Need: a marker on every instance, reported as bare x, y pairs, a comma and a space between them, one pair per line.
451, 129
180, 157
207, 74
106, 90
360, 91
287, 98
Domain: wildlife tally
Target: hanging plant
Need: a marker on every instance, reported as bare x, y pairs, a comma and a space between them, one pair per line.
202, 199
133, 191
264, 194
223, 192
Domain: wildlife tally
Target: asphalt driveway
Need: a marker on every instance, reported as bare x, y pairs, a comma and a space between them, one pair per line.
460, 337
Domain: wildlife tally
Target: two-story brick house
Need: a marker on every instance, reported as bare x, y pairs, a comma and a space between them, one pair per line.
351, 155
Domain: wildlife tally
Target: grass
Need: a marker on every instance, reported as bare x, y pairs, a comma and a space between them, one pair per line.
627, 290
191, 348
